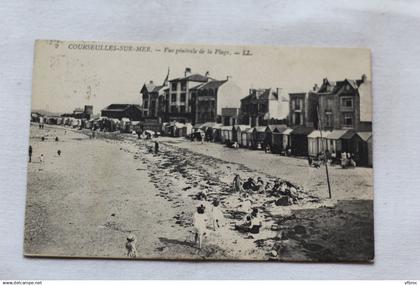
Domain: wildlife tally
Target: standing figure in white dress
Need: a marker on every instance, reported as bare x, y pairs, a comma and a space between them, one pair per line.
200, 224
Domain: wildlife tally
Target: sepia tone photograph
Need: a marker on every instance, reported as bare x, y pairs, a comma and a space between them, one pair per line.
200, 152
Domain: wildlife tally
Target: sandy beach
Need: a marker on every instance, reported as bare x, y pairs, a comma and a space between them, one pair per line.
87, 200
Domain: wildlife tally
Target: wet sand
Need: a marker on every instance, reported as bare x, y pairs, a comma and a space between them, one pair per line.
88, 200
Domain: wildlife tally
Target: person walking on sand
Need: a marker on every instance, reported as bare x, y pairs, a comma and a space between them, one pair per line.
30, 153
156, 147
237, 183
200, 221
216, 215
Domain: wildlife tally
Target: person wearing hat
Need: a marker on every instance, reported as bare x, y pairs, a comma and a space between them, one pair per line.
200, 224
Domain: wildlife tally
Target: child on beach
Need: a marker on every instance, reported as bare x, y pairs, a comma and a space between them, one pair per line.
237, 183
217, 217
200, 224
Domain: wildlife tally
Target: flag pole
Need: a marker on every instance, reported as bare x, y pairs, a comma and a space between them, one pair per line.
325, 156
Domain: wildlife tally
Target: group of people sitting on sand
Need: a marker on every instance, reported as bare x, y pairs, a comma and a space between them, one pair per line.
277, 189
208, 214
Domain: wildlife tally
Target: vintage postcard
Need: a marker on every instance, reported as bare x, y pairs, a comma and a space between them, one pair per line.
200, 152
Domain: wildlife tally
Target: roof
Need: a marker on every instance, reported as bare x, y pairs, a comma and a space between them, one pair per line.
193, 77
250, 130
317, 134
179, 125
273, 127
348, 135
226, 128
260, 129
334, 86
364, 135
213, 84
279, 129
336, 134
242, 127
287, 131
120, 107
149, 87
208, 125
301, 130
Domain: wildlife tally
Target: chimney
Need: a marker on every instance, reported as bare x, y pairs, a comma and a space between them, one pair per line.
325, 80
364, 78
207, 73
315, 88
187, 71
228, 77
151, 81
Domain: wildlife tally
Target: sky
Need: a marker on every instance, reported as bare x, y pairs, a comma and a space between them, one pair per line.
68, 75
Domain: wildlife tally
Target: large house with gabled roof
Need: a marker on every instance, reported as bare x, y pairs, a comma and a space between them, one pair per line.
261, 106
345, 104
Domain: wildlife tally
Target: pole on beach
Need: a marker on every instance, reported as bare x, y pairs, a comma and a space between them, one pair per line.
325, 157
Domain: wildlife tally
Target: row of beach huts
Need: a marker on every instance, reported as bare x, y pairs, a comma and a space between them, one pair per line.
279, 139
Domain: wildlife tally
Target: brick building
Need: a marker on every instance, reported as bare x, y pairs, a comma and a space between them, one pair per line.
263, 105
345, 104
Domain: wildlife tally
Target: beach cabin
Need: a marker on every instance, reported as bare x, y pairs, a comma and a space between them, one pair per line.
179, 130
334, 141
258, 136
299, 138
277, 138
269, 133
356, 143
226, 133
208, 129
187, 129
237, 133
217, 133
287, 143
316, 144
244, 137
125, 126
248, 137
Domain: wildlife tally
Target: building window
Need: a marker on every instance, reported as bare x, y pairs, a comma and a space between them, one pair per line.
297, 119
173, 86
145, 113
328, 121
329, 104
173, 109
182, 109
348, 120
183, 97
347, 102
296, 104
183, 86
153, 104
173, 97
146, 104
